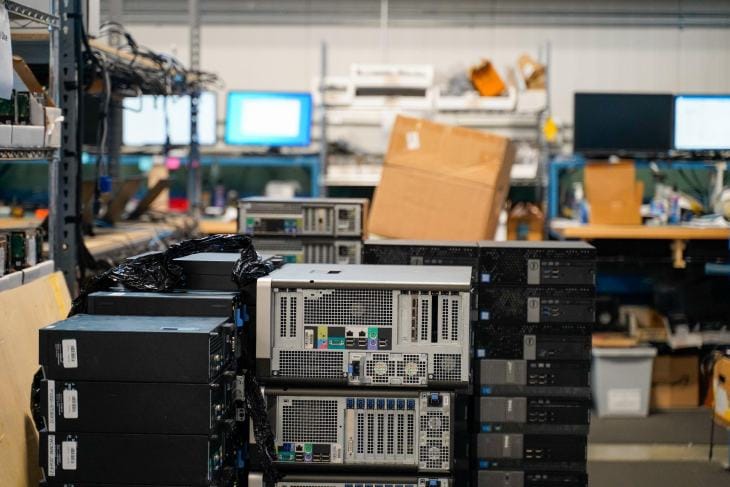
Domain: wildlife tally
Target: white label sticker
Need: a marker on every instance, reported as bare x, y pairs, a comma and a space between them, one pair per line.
51, 455
68, 455
70, 404
69, 354
6, 55
624, 401
51, 405
413, 140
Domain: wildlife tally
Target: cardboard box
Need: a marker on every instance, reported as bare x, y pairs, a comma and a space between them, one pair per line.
532, 72
675, 382
441, 183
721, 391
25, 309
613, 194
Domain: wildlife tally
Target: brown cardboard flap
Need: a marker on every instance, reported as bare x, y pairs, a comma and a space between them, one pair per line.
25, 309
416, 204
455, 152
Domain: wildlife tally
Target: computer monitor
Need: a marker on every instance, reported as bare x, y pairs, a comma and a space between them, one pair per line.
619, 123
272, 119
144, 120
702, 122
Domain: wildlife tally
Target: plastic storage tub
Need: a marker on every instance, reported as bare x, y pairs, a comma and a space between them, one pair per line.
622, 381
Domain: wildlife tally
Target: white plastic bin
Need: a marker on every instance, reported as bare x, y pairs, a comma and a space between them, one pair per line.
621, 381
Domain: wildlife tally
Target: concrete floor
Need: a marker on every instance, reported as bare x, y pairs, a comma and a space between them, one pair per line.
663, 450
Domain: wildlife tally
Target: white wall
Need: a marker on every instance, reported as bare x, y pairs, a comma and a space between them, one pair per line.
595, 58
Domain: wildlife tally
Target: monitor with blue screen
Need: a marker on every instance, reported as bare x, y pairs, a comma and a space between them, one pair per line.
702, 122
271, 119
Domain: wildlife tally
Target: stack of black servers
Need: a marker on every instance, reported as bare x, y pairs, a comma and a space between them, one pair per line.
531, 323
146, 389
532, 349
136, 400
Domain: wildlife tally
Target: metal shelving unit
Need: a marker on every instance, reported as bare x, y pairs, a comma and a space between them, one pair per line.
19, 13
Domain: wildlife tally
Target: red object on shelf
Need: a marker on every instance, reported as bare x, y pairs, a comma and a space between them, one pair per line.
178, 204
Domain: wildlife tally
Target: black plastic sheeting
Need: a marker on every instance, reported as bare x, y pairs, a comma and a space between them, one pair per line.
158, 272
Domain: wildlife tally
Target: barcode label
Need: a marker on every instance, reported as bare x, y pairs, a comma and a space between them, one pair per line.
68, 455
51, 399
70, 404
51, 455
69, 354
240, 391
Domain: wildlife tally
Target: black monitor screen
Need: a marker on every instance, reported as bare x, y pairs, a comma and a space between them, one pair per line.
613, 123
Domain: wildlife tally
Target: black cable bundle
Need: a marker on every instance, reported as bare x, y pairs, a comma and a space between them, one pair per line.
158, 271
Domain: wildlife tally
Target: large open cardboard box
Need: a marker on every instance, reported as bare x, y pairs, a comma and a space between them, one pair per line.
441, 182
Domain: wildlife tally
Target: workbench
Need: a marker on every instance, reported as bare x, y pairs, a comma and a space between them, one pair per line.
214, 226
677, 235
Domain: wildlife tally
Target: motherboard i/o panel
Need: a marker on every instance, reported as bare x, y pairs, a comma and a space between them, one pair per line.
533, 415
517, 450
525, 263
364, 325
332, 217
544, 305
533, 377
530, 478
312, 250
176, 349
314, 428
334, 480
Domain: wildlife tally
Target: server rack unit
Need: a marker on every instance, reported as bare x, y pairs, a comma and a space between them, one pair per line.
527, 478
536, 308
98, 458
306, 230
324, 480
137, 348
315, 250
422, 252
402, 429
313, 217
398, 326
187, 303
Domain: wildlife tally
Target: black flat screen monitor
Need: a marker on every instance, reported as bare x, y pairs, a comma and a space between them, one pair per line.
608, 124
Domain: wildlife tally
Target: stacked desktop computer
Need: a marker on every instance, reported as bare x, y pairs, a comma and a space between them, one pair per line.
532, 318
359, 366
306, 230
532, 345
145, 389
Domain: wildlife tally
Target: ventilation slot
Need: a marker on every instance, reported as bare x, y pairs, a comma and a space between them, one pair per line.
256, 208
319, 253
449, 318
425, 320
316, 364
309, 421
318, 220
287, 314
447, 367
348, 307
381, 368
434, 452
